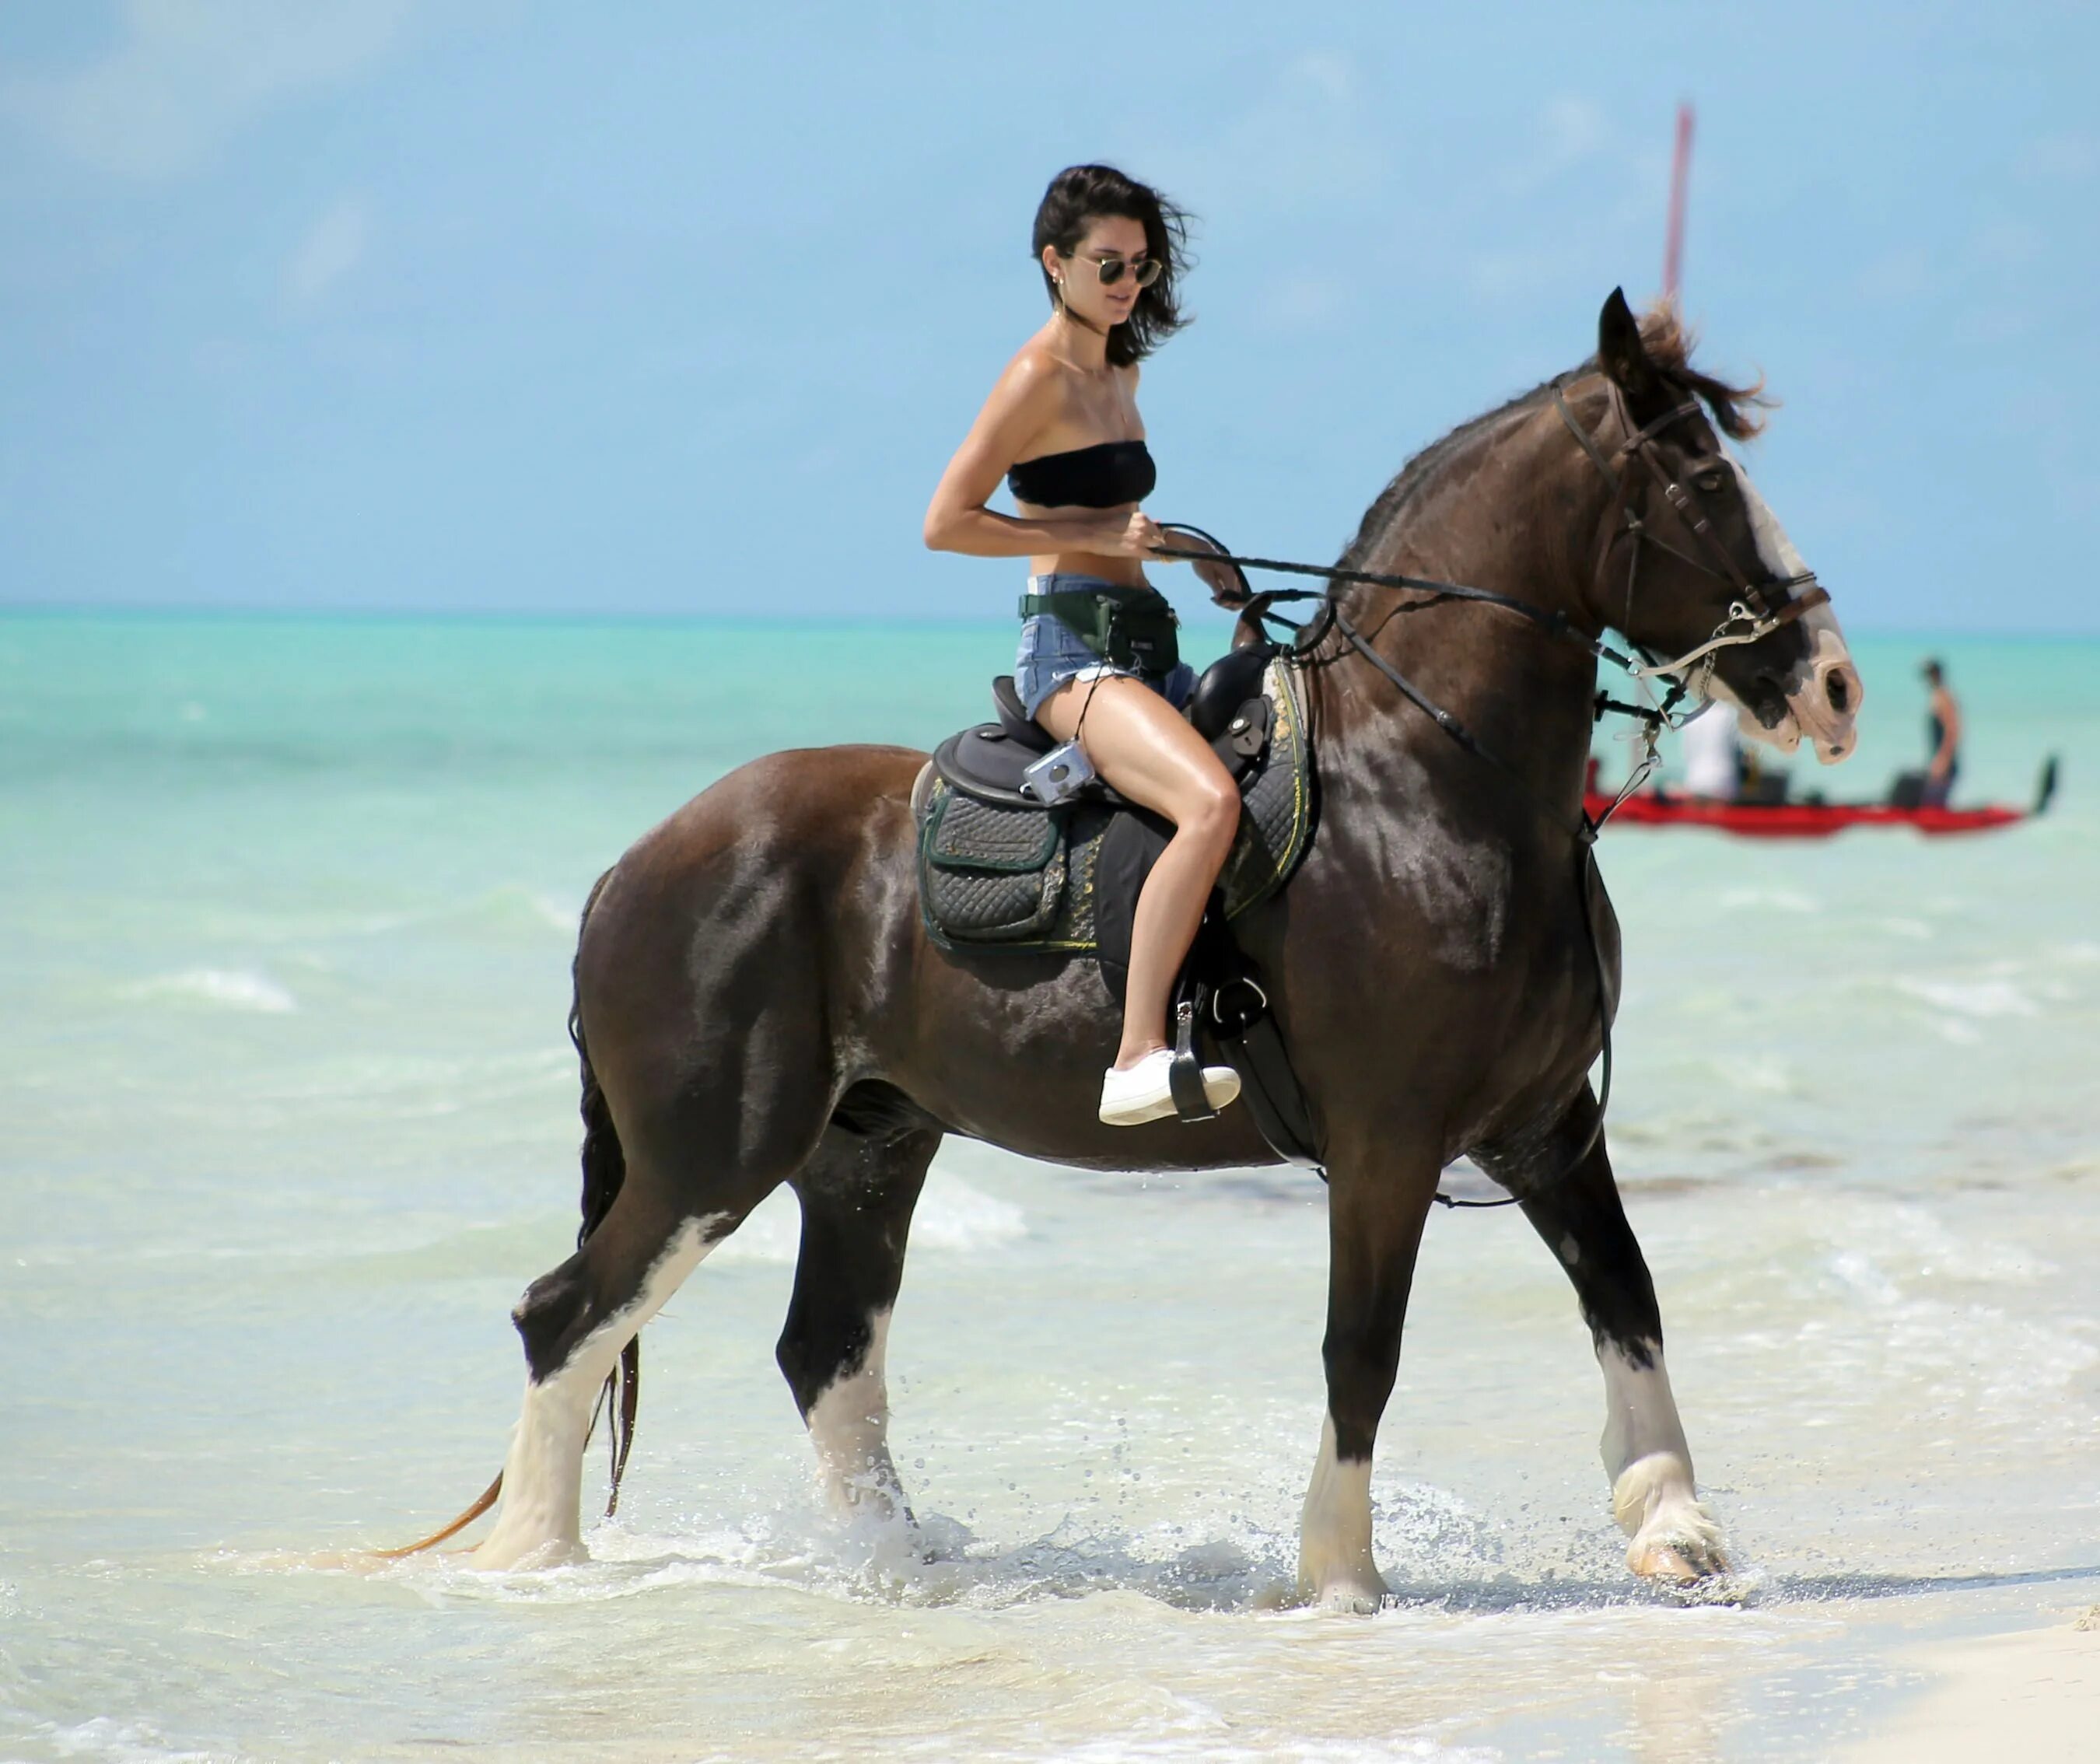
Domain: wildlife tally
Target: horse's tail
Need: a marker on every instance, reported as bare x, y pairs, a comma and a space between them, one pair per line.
605, 1170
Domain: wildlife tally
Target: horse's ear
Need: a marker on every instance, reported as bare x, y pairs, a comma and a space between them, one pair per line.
1620, 351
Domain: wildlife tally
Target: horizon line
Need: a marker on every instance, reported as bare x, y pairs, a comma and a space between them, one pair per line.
615, 619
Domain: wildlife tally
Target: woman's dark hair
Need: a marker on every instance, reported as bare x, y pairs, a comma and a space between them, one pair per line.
1081, 194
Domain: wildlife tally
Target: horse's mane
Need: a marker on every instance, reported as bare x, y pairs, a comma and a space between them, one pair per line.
1737, 411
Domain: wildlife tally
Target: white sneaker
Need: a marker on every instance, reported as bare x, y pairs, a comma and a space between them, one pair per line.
1142, 1093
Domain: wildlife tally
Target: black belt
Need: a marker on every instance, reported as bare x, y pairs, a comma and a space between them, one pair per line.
1131, 627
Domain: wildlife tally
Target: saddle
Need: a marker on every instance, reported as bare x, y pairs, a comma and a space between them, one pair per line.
1000, 870
997, 867
1229, 708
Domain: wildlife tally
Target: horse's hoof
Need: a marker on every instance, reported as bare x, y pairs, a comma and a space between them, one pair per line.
498, 1556
1348, 1595
1678, 1560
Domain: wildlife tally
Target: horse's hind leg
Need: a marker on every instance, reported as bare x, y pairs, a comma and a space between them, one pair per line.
857, 1194
574, 1322
1580, 1216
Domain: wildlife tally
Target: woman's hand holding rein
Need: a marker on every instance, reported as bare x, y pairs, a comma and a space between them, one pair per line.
1135, 535
1227, 586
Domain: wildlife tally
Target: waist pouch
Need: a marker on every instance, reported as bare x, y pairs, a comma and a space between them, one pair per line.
1129, 627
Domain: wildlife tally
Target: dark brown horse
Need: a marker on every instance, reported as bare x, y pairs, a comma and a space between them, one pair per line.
758, 1003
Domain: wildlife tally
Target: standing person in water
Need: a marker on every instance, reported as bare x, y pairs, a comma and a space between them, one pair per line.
1097, 661
1943, 733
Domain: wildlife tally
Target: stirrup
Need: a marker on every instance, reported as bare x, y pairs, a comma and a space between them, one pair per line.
1145, 1091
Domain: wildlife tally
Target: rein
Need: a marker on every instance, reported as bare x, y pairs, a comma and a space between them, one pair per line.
1751, 616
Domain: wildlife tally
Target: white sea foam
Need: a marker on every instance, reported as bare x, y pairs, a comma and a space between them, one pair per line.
951, 1218
238, 989
953, 1215
124, 1742
1971, 998
1770, 900
772, 1234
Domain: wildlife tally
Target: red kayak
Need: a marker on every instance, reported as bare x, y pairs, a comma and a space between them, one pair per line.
1811, 820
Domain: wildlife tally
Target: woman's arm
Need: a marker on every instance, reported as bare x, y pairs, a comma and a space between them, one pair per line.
1022, 406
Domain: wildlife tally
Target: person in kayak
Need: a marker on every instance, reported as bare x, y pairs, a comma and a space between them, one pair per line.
1942, 727
1712, 756
1097, 656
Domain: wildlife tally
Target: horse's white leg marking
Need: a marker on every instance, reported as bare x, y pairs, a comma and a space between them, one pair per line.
539, 1524
1653, 1497
1334, 1564
849, 1425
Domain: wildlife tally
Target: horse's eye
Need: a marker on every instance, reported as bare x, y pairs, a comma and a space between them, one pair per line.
1711, 481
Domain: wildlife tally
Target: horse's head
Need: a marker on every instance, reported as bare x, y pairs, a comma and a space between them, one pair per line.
1709, 558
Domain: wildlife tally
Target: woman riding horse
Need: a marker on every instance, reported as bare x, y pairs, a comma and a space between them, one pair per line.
1061, 427
758, 1001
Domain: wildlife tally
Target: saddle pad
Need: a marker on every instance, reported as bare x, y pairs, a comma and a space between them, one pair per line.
988, 874
1066, 881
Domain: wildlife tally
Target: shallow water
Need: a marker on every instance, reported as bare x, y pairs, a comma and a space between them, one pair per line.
285, 916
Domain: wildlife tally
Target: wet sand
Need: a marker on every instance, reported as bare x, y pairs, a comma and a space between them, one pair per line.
2033, 1696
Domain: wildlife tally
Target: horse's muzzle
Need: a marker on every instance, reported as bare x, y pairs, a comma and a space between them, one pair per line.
1824, 694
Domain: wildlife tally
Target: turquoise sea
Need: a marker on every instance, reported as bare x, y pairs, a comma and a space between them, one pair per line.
286, 908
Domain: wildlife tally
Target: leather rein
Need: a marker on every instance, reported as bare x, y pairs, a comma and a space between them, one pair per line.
1752, 614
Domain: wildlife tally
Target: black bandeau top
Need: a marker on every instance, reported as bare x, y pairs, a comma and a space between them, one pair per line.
1098, 477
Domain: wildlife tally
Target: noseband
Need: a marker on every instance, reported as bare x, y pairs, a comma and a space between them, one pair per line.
1752, 614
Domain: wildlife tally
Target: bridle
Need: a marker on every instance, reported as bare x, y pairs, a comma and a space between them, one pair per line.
1753, 613
1751, 610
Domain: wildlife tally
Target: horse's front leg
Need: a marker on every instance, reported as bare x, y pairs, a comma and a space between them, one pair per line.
1375, 1212
1579, 1215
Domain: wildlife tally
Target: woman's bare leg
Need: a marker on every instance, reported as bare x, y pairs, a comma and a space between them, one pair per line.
1145, 748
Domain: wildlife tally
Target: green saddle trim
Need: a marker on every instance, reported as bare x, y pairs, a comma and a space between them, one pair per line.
962, 834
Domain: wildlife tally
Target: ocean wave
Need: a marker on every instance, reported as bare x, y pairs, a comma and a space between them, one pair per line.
128, 1743
516, 903
1972, 998
951, 1217
1770, 899
239, 988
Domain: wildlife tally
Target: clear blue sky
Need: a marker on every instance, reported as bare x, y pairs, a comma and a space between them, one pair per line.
477, 305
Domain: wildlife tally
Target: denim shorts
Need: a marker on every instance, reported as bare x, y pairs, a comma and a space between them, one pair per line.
1052, 655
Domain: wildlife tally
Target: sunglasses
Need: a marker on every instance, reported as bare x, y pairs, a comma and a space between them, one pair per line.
1144, 272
